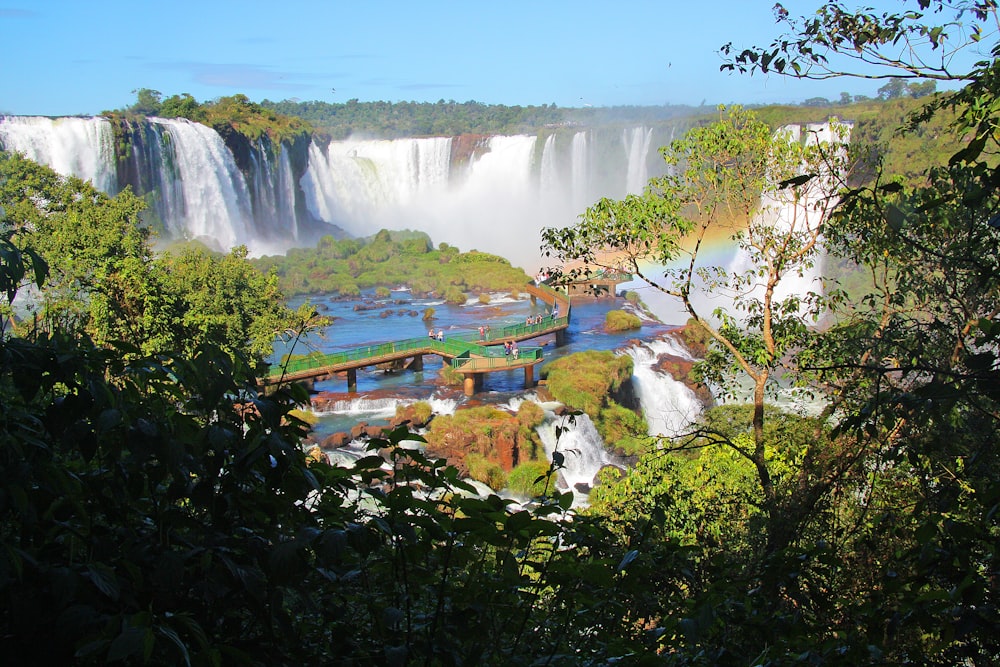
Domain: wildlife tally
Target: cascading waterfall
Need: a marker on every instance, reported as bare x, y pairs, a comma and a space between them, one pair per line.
81, 147
636, 142
361, 183
670, 407
214, 197
496, 201
783, 211
582, 449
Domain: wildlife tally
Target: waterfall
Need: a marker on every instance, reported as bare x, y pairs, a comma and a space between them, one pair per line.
497, 199
582, 449
214, 197
669, 405
367, 185
579, 172
81, 147
636, 142
788, 211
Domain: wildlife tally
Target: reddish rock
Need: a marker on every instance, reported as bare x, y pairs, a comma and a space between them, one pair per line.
336, 440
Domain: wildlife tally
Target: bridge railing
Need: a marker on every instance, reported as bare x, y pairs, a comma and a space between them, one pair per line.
453, 346
318, 360
498, 360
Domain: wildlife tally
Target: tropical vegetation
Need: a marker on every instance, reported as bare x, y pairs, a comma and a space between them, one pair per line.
156, 508
391, 258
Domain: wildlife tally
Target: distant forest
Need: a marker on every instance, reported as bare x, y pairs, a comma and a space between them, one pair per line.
875, 119
391, 120
451, 118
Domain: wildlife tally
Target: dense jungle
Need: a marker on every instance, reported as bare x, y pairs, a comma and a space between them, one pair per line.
158, 507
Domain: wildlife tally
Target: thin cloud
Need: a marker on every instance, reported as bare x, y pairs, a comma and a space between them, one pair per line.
239, 75
431, 86
10, 13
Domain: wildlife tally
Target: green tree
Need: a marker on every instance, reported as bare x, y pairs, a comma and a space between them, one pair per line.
719, 175
147, 102
913, 361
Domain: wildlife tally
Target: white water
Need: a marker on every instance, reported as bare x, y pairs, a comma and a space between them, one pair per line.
582, 449
797, 213
497, 202
81, 147
669, 406
213, 197
384, 408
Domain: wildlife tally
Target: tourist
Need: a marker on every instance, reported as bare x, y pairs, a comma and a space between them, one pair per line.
513, 350
430, 334
441, 335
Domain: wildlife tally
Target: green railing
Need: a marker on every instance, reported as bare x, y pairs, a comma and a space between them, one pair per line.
525, 354
461, 346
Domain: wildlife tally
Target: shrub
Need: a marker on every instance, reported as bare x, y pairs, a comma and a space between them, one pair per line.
454, 295
349, 289
619, 320
484, 298
450, 376
483, 470
530, 414
382, 292
584, 380
429, 313
529, 479
615, 423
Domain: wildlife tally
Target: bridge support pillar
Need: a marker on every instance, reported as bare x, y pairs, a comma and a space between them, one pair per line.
418, 363
529, 377
560, 337
470, 384
352, 380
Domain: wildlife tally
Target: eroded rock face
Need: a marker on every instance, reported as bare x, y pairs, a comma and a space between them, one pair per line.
496, 435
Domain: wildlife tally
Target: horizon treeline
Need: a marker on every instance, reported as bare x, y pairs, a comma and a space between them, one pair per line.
403, 119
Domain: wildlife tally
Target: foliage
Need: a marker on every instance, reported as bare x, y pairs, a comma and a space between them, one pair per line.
419, 412
620, 320
390, 259
451, 118
483, 470
227, 114
105, 282
585, 380
622, 429
528, 479
494, 434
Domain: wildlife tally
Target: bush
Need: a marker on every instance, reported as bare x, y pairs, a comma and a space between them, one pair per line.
484, 298
483, 470
619, 320
615, 423
450, 376
429, 313
529, 479
584, 380
454, 295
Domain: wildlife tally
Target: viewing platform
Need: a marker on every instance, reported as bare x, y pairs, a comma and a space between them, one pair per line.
468, 354
598, 284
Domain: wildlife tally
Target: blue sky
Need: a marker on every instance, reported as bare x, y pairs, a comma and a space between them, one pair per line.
66, 57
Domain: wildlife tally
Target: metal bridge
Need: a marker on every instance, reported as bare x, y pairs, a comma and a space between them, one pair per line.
466, 353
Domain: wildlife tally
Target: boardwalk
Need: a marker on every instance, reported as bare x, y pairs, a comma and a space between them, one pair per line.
467, 354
